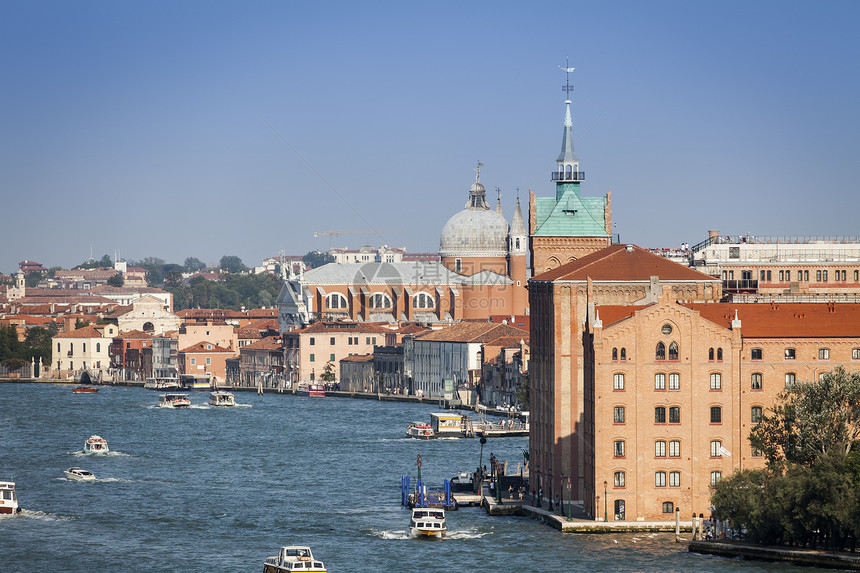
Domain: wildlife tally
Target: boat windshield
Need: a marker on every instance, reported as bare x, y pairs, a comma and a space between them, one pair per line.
8, 494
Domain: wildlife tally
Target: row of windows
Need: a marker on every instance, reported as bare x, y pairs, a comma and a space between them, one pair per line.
821, 275
620, 480
72, 347
716, 417
660, 381
380, 300
352, 340
791, 354
331, 358
717, 353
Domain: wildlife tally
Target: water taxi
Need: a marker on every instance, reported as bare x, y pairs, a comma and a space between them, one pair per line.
84, 390
161, 384
315, 390
8, 498
293, 558
96, 445
420, 430
174, 401
221, 398
427, 522
78, 474
196, 381
447, 425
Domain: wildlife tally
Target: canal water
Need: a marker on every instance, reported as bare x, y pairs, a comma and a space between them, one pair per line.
220, 489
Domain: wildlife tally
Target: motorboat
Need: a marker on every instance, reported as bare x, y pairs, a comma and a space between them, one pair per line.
96, 445
293, 558
427, 522
8, 498
84, 390
314, 390
221, 398
447, 425
78, 474
161, 384
420, 430
173, 400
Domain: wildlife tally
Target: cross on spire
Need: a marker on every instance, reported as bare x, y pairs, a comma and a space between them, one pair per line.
567, 70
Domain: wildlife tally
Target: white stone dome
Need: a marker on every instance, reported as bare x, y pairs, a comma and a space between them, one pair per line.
475, 232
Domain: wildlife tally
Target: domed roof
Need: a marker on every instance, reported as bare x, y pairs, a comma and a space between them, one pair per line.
476, 231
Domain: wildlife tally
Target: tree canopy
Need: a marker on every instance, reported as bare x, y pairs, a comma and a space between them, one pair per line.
232, 264
235, 291
316, 259
193, 265
105, 261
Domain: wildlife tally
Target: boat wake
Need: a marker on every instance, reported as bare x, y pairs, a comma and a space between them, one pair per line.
38, 515
398, 535
81, 453
392, 535
468, 534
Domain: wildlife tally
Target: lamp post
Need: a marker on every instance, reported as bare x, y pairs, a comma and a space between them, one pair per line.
569, 494
605, 502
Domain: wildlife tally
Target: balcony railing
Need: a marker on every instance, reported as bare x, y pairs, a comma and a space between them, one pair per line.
568, 176
740, 285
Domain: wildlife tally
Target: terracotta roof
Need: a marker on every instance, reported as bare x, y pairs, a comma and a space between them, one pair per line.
471, 332
200, 347
617, 263
610, 314
126, 290
358, 358
509, 341
88, 331
522, 321
795, 320
268, 343
325, 327
134, 335
246, 333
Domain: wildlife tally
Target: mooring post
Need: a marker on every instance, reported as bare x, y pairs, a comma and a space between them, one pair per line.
677, 525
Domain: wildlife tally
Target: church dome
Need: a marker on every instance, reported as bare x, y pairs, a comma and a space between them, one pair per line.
476, 231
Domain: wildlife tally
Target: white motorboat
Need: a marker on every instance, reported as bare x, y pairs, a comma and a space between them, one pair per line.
293, 558
427, 522
221, 398
78, 474
173, 400
96, 445
420, 430
312, 390
8, 498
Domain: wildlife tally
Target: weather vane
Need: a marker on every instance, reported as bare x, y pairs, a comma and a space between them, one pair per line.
567, 70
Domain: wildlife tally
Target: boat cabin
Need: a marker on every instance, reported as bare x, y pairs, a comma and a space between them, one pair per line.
8, 497
293, 558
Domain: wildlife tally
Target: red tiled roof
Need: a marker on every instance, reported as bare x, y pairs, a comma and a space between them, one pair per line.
509, 341
522, 321
794, 320
200, 347
471, 332
88, 331
134, 335
617, 263
323, 327
358, 358
268, 343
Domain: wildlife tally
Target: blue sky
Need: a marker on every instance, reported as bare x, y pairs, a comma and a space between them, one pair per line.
145, 126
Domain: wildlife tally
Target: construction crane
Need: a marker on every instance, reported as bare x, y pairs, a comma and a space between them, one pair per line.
333, 234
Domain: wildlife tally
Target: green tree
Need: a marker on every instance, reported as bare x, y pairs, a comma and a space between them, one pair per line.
232, 264
316, 259
105, 261
328, 372
81, 323
116, 280
523, 392
193, 265
32, 279
154, 266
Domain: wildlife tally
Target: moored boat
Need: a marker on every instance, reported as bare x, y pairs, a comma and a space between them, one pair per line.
420, 430
174, 400
315, 390
221, 398
78, 474
96, 445
84, 390
427, 522
8, 498
293, 558
447, 425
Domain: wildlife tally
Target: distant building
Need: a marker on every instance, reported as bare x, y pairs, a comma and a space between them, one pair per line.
86, 348
205, 358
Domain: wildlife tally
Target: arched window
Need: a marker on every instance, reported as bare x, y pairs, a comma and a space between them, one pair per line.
711, 354
518, 243
719, 354
423, 300
673, 351
335, 300
614, 354
623, 353
98, 346
618, 479
380, 300
661, 351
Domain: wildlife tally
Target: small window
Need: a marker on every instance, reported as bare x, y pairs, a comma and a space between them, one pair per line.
666, 329
675, 415
660, 381
719, 354
618, 415
856, 276
618, 381
331, 357
824, 354
312, 357
331, 341
367, 340
716, 476
789, 379
674, 479
673, 351
710, 354
716, 449
208, 361
618, 449
756, 453
789, 354
755, 381
85, 348
623, 354
818, 276
755, 354
716, 381
806, 276
824, 276
855, 354
619, 480
660, 415
668, 507
312, 341
208, 347
659, 479
660, 353
614, 354
755, 414
716, 415
674, 381
193, 361
458, 265
659, 449
675, 449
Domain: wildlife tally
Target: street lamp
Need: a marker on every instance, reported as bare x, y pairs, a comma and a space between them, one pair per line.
605, 512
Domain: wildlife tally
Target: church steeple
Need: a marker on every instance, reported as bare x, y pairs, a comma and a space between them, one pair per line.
568, 162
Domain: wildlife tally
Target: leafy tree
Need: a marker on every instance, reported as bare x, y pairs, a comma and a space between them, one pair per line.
154, 266
52, 272
316, 259
193, 265
116, 280
523, 392
105, 261
232, 264
328, 372
172, 279
32, 279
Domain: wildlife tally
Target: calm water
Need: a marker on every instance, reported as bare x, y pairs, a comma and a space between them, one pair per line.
211, 489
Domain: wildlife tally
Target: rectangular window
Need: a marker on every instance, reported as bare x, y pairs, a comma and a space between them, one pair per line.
818, 276
789, 354
674, 381
761, 276
659, 415
193, 361
367, 340
806, 276
716, 415
660, 479
331, 341
756, 453
716, 449
755, 414
781, 276
660, 381
618, 415
85, 348
659, 449
331, 357
675, 449
312, 341
675, 415
312, 357
824, 354
618, 449
855, 354
789, 379
824, 276
856, 276
787, 276
619, 480
208, 360
768, 276
674, 479
755, 382
668, 507
716, 381
715, 477
755, 353
373, 340
618, 382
